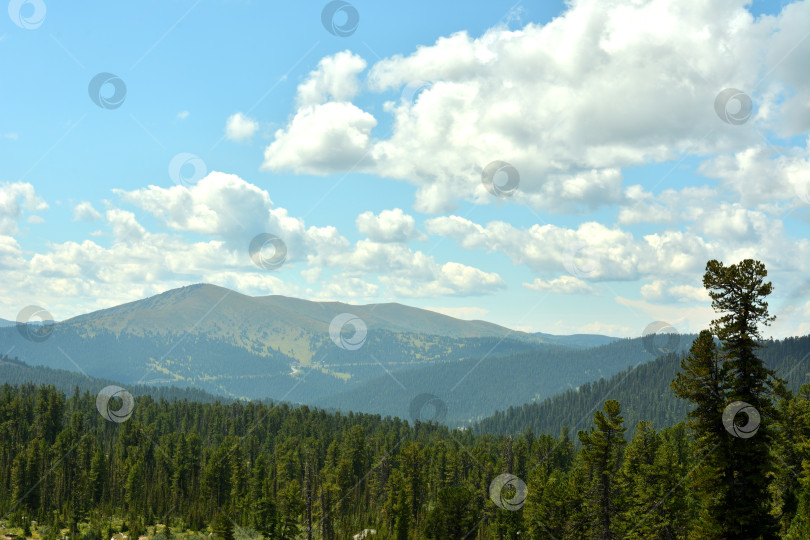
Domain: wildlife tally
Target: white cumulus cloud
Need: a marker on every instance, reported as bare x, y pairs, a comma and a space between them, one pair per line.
14, 199
561, 285
84, 211
239, 127
388, 226
604, 86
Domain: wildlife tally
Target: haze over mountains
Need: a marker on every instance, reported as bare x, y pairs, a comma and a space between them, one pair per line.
644, 392
213, 339
15, 372
472, 389
238, 346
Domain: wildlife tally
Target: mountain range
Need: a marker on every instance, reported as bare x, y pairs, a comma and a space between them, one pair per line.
326, 353
386, 359
472, 389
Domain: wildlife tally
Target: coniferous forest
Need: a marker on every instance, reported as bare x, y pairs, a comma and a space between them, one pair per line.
736, 466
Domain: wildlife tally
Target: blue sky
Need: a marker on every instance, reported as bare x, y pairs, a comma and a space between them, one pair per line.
629, 178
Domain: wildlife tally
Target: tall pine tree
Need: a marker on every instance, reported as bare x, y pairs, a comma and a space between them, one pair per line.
738, 294
732, 474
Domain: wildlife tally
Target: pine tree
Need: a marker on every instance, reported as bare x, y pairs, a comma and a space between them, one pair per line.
291, 506
546, 509
19, 480
412, 459
672, 496
636, 480
309, 490
455, 515
651, 484
98, 475
738, 294
704, 381
239, 485
396, 507
792, 479
181, 473
264, 512
326, 519
401, 514
578, 521
222, 526
217, 476
601, 448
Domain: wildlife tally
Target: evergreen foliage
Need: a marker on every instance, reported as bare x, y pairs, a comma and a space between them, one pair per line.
244, 470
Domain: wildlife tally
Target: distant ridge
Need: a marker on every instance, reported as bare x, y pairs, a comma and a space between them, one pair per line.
576, 340
472, 389
186, 303
14, 372
211, 338
644, 393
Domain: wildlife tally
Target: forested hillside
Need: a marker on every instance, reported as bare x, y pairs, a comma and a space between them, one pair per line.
473, 388
644, 393
286, 349
251, 470
737, 465
196, 360
14, 372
